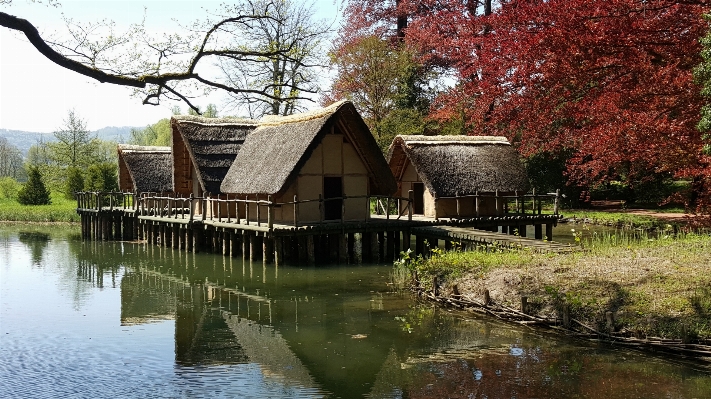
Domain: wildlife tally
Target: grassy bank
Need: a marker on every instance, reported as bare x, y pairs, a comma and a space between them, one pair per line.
655, 287
60, 210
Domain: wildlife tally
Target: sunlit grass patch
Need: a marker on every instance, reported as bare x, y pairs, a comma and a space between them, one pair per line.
60, 210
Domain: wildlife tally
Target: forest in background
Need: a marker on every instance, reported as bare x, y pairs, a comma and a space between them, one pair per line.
605, 99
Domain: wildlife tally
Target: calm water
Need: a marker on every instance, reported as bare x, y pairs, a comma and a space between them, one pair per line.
124, 320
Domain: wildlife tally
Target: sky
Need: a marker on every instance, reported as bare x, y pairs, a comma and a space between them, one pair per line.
36, 94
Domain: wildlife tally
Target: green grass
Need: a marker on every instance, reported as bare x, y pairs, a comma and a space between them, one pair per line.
60, 210
655, 286
620, 218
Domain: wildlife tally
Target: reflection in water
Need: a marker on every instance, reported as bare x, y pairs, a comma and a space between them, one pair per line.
212, 326
36, 242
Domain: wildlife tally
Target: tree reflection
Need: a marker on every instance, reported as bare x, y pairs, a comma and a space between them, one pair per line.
36, 242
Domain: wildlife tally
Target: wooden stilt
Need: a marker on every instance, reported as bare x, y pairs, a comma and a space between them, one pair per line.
278, 250
268, 247
358, 248
245, 245
374, 247
343, 248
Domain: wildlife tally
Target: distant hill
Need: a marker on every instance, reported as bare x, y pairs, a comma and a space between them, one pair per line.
24, 140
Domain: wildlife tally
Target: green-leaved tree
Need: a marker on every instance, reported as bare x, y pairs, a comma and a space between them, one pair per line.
34, 192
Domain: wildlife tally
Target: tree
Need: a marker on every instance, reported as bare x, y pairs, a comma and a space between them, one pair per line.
370, 73
279, 80
170, 67
10, 160
74, 183
606, 83
34, 191
75, 146
101, 177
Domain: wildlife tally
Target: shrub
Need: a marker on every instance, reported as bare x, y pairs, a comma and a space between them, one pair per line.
34, 191
9, 187
101, 177
75, 182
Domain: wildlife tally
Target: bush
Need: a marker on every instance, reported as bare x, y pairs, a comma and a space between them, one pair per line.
101, 177
34, 191
9, 187
75, 182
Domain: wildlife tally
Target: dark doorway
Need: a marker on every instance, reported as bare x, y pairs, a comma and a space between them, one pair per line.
418, 191
333, 188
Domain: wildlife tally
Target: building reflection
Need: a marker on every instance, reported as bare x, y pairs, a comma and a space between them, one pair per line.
325, 329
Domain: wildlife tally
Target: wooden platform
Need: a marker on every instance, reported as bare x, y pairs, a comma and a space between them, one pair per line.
473, 237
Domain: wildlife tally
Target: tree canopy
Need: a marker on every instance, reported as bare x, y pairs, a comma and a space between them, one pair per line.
607, 83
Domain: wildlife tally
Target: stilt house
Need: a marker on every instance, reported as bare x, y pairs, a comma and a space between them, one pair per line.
446, 172
145, 169
320, 156
203, 150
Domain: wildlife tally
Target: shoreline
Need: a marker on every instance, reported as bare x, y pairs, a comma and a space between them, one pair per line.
651, 293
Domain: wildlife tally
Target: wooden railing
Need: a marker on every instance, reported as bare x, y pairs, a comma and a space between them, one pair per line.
237, 209
253, 209
519, 200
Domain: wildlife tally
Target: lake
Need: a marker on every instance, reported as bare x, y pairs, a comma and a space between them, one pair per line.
126, 320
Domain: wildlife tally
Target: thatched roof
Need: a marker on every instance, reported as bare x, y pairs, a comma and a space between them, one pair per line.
213, 144
274, 153
460, 164
150, 167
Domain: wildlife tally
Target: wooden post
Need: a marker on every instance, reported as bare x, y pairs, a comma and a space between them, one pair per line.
234, 241
226, 243
555, 202
259, 212
246, 209
487, 298
296, 212
524, 304
406, 244
538, 231
410, 207
270, 214
549, 231
374, 247
278, 250
358, 248
387, 209
496, 194
343, 248
246, 244
268, 248
255, 246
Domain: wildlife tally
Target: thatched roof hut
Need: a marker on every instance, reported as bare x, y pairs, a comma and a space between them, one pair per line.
145, 168
204, 149
273, 155
460, 164
449, 166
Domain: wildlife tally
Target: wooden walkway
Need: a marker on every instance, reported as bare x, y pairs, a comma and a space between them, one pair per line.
473, 237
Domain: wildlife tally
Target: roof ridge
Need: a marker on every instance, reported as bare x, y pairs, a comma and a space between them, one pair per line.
276, 120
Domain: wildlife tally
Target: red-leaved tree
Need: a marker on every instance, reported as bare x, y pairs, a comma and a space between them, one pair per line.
608, 83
